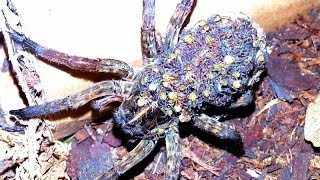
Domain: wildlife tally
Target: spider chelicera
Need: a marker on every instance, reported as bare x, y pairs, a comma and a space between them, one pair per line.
215, 63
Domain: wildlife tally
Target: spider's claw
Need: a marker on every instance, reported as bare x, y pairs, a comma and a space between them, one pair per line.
23, 113
16, 113
38, 110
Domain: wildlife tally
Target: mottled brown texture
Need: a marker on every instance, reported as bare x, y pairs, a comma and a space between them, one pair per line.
87, 159
288, 75
300, 166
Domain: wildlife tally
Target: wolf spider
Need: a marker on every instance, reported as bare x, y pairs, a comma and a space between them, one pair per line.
215, 63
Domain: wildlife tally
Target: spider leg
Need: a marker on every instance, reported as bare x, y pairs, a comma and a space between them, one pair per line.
182, 11
173, 148
104, 101
148, 34
160, 41
244, 100
142, 150
74, 62
74, 101
151, 40
213, 126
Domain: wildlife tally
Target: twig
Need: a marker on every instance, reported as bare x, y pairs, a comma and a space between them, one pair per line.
23, 64
268, 105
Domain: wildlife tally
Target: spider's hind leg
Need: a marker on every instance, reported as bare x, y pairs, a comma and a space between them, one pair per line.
213, 126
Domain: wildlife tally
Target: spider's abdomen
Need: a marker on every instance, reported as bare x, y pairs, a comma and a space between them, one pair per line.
214, 62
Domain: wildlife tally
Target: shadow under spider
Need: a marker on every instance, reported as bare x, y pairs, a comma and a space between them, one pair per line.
233, 146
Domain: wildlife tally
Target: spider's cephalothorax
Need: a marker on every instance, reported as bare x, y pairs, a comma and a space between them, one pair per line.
215, 63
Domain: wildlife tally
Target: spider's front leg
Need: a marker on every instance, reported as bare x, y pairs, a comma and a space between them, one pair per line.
104, 90
148, 32
74, 62
181, 13
136, 155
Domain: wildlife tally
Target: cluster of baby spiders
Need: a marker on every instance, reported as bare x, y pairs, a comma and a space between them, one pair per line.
215, 63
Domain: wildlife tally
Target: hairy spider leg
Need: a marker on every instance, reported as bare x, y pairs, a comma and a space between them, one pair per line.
74, 62
74, 101
143, 149
173, 148
104, 101
148, 34
177, 19
151, 39
213, 126
244, 100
